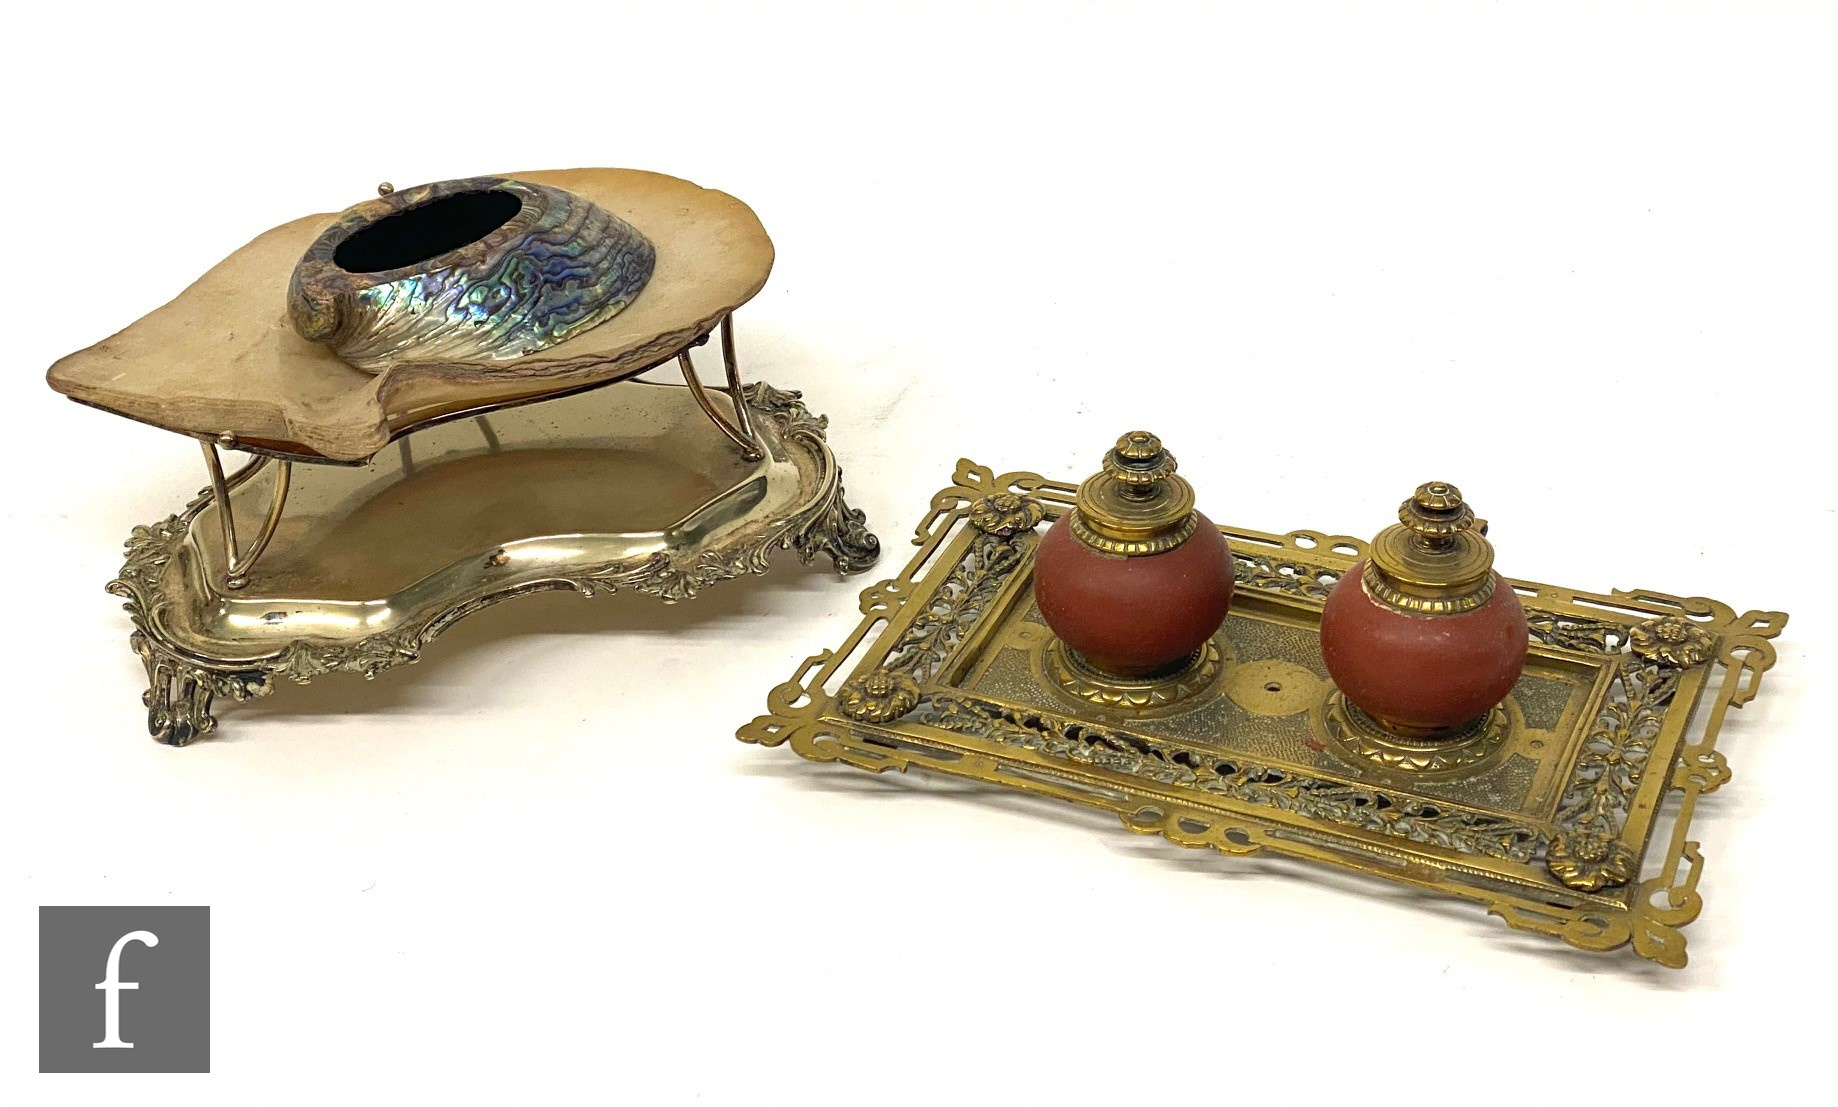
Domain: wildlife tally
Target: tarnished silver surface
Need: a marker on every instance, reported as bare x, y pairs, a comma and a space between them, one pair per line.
625, 487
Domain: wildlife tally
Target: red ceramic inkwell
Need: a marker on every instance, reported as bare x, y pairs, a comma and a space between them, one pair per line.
1133, 581
1423, 637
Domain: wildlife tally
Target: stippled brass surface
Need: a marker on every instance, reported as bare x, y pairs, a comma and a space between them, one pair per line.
1269, 702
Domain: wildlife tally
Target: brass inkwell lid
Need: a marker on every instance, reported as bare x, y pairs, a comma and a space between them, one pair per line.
1435, 560
1135, 505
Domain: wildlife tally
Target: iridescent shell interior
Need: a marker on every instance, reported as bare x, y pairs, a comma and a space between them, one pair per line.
479, 270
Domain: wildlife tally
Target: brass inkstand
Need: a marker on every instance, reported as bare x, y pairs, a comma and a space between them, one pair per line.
419, 385
1572, 818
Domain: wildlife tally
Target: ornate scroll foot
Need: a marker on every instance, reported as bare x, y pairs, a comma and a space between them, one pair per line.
835, 529
179, 696
842, 532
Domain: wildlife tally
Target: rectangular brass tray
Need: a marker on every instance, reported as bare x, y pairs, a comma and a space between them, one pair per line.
1605, 755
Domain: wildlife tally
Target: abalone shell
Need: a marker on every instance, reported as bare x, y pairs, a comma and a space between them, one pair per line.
480, 269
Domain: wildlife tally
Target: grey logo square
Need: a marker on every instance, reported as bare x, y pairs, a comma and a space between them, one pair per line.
124, 989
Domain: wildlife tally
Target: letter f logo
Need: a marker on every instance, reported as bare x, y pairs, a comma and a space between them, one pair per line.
112, 987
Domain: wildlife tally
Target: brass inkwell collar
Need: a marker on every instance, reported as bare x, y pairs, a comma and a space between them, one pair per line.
1435, 560
1135, 506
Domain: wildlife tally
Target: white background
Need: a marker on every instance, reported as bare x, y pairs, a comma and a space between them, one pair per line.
1578, 258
